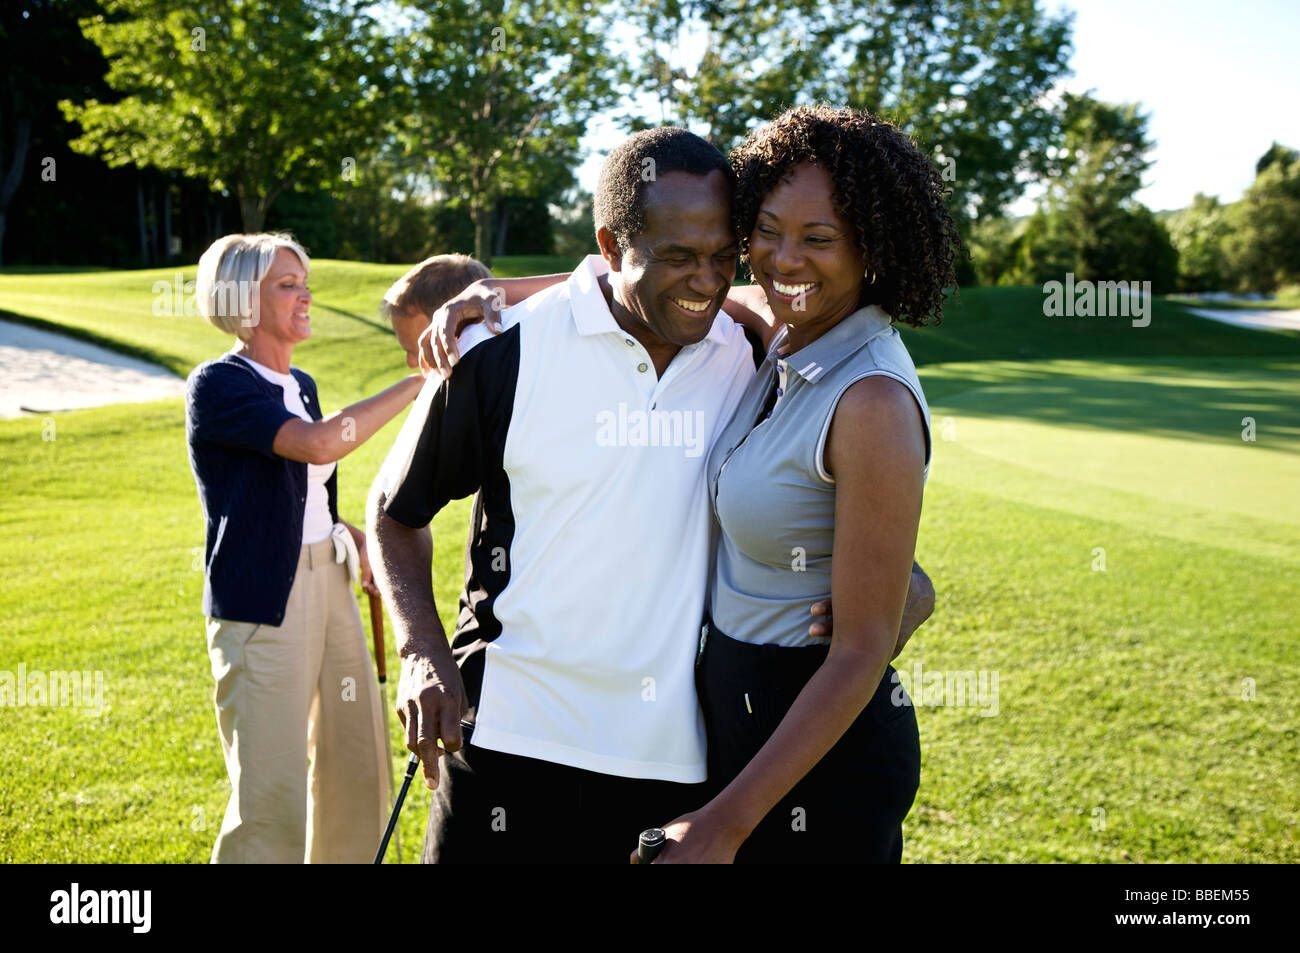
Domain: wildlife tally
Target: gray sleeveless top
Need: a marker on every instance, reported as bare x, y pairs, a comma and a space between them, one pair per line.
772, 497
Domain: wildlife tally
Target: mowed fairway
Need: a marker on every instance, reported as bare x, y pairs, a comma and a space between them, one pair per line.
1100, 535
1104, 539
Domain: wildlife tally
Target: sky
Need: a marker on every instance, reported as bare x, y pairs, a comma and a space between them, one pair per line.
1219, 80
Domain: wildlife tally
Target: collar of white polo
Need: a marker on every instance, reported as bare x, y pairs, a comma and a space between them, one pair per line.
590, 310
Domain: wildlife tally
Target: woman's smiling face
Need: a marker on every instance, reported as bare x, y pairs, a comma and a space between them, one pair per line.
284, 300
804, 255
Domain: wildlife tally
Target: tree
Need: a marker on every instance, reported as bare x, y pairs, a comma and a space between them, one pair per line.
719, 67
574, 234
1096, 172
1199, 233
1145, 252
967, 77
1043, 252
1089, 223
496, 94
1263, 245
993, 243
45, 59
1276, 153
256, 96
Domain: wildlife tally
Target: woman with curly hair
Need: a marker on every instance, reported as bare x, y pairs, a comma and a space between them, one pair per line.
816, 485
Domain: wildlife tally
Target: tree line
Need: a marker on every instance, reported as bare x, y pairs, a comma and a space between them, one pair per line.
134, 131
1089, 223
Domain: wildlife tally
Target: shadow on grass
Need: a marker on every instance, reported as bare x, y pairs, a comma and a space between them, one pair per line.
52, 269
1197, 399
352, 315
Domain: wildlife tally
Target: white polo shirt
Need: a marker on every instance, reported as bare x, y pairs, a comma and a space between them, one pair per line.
590, 547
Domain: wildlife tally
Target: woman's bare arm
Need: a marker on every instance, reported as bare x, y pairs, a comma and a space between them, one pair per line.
747, 305
334, 437
876, 451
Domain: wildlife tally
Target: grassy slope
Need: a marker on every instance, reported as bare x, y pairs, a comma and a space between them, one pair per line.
1120, 690
122, 310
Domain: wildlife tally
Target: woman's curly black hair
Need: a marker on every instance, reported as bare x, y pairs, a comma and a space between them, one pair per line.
884, 185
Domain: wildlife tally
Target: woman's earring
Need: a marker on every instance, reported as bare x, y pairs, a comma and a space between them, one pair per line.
871, 275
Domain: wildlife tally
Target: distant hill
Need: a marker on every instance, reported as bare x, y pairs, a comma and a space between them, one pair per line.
1009, 324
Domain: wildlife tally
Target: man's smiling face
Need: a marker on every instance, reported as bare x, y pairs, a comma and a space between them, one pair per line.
675, 274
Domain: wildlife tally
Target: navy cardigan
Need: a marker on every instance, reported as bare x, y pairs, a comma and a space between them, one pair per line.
252, 499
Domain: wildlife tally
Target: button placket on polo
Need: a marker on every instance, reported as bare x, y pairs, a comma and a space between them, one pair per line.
676, 368
642, 370
747, 412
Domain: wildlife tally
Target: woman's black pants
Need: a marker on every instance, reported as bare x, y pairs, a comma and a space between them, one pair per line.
850, 807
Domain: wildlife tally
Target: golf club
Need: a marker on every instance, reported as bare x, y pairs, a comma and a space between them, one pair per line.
411, 767
381, 670
649, 844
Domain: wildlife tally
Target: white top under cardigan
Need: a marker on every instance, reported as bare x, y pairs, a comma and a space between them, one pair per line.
316, 522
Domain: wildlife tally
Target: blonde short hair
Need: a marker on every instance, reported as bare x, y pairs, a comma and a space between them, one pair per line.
431, 284
229, 272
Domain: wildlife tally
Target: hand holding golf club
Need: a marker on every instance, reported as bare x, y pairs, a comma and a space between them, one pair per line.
649, 844
430, 704
695, 838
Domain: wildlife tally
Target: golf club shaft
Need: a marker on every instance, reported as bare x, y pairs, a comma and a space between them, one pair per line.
377, 629
411, 767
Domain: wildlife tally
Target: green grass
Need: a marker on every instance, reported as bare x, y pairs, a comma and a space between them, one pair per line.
101, 530
1120, 689
1124, 561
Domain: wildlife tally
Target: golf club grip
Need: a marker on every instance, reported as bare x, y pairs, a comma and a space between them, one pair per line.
411, 767
377, 627
649, 844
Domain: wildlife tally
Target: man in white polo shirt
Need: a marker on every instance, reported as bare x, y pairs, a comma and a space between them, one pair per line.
567, 700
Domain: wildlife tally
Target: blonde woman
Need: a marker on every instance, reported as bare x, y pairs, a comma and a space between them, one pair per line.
293, 678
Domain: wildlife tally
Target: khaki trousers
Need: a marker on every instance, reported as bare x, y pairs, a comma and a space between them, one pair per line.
301, 691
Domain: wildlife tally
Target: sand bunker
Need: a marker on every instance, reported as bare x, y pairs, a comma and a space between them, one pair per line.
1261, 318
42, 372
